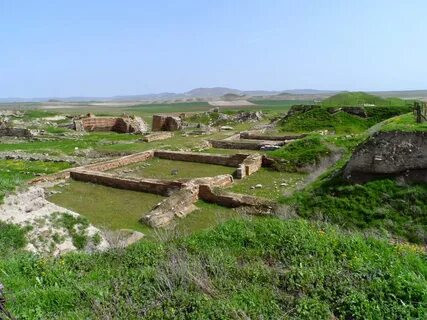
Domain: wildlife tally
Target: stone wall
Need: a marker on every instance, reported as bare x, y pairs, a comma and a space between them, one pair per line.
255, 136
179, 204
166, 123
161, 187
120, 162
117, 124
224, 160
232, 200
252, 164
155, 136
243, 144
16, 132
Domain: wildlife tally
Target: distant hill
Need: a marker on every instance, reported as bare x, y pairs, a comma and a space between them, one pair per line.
211, 92
214, 93
361, 98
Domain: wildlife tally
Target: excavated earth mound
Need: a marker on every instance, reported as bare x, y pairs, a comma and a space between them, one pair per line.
389, 155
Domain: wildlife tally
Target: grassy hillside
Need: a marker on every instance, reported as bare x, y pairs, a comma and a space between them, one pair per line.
361, 98
381, 206
300, 153
322, 117
261, 269
404, 122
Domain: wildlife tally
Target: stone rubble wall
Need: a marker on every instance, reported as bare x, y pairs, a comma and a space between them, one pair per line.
224, 160
232, 200
179, 204
160, 187
254, 136
16, 132
120, 162
242, 144
155, 136
116, 124
166, 123
252, 164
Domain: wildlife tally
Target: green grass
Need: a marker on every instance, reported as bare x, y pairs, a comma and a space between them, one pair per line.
178, 107
260, 269
341, 122
270, 180
68, 145
361, 98
300, 153
106, 207
404, 123
14, 173
12, 238
382, 206
117, 209
320, 119
278, 105
35, 113
207, 118
55, 130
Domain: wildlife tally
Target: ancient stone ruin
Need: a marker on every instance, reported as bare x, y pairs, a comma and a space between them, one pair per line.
166, 123
181, 194
8, 131
124, 124
156, 136
254, 141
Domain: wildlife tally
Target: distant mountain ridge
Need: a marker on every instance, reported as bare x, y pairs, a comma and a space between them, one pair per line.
216, 93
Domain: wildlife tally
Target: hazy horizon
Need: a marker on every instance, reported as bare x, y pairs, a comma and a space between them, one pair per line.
109, 48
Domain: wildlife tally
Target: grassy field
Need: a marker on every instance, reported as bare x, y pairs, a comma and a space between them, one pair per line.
260, 269
271, 182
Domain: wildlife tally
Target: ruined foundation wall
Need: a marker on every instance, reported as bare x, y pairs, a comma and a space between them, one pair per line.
254, 136
155, 136
16, 132
231, 200
252, 164
179, 204
117, 124
98, 124
242, 144
120, 162
161, 187
224, 160
166, 123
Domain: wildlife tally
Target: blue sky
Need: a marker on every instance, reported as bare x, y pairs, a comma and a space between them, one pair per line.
104, 48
